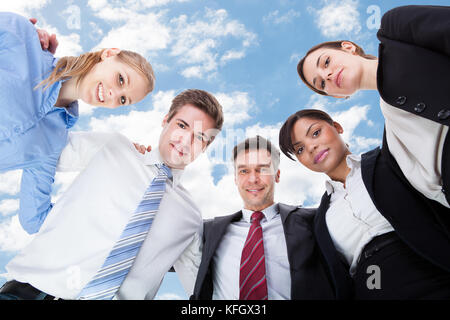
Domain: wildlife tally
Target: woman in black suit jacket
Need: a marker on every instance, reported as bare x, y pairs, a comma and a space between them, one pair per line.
408, 178
380, 238
411, 75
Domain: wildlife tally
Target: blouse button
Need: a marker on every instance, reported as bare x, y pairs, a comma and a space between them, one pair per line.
443, 114
17, 129
401, 100
420, 107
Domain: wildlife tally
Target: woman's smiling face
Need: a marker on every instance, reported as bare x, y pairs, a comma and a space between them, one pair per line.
336, 72
318, 145
112, 83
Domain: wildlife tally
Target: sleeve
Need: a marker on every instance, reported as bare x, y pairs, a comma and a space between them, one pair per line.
22, 65
35, 194
424, 26
37, 181
187, 265
81, 148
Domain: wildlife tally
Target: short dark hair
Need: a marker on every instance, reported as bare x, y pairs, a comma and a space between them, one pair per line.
203, 100
337, 45
258, 143
285, 139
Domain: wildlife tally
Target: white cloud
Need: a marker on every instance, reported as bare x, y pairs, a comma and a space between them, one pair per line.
23, 7
10, 182
338, 18
12, 236
135, 5
141, 33
350, 119
95, 32
232, 55
236, 107
72, 15
295, 57
68, 45
85, 109
276, 18
198, 42
8, 206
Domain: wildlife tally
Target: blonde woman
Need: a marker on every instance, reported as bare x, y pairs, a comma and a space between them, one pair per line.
38, 99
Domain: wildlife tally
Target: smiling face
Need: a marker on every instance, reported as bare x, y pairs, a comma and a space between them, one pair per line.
185, 136
112, 83
336, 72
255, 178
318, 145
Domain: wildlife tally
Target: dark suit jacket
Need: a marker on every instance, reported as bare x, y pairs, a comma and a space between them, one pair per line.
413, 75
421, 223
414, 67
309, 279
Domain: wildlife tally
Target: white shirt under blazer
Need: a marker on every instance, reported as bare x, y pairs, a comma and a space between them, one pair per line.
89, 217
227, 258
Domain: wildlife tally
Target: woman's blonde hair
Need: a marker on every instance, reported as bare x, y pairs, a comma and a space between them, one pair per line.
67, 67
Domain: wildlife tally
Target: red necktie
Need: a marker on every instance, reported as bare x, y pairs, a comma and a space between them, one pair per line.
252, 279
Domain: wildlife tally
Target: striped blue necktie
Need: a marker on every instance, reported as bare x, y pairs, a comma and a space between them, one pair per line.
109, 278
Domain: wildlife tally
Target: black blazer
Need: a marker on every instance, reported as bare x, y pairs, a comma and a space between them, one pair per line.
423, 224
309, 278
414, 66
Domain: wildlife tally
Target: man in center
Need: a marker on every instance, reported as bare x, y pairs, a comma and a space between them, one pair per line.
267, 249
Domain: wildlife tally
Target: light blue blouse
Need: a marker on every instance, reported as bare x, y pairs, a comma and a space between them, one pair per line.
33, 131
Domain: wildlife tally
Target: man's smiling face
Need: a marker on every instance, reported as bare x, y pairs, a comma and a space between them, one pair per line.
185, 136
255, 178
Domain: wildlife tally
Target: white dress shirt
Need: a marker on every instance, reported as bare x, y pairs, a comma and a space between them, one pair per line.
87, 220
416, 143
227, 258
352, 218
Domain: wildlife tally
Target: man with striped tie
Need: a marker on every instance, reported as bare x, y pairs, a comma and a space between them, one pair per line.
126, 219
266, 250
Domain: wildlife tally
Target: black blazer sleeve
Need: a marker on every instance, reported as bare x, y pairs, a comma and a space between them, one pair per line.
423, 26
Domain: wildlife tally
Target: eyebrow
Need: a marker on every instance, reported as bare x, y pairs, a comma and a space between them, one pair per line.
187, 125
317, 65
318, 59
264, 165
128, 85
298, 142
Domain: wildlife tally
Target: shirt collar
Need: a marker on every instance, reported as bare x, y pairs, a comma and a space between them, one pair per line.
269, 213
154, 157
71, 114
354, 163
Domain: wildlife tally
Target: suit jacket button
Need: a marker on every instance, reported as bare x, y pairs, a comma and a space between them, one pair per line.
401, 100
443, 114
420, 107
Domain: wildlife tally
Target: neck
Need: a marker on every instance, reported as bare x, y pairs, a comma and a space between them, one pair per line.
341, 171
68, 93
257, 207
369, 77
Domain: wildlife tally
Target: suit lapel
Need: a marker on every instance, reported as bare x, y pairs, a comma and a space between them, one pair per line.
290, 235
339, 271
213, 236
218, 229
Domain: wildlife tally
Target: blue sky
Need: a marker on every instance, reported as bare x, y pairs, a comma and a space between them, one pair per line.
244, 52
